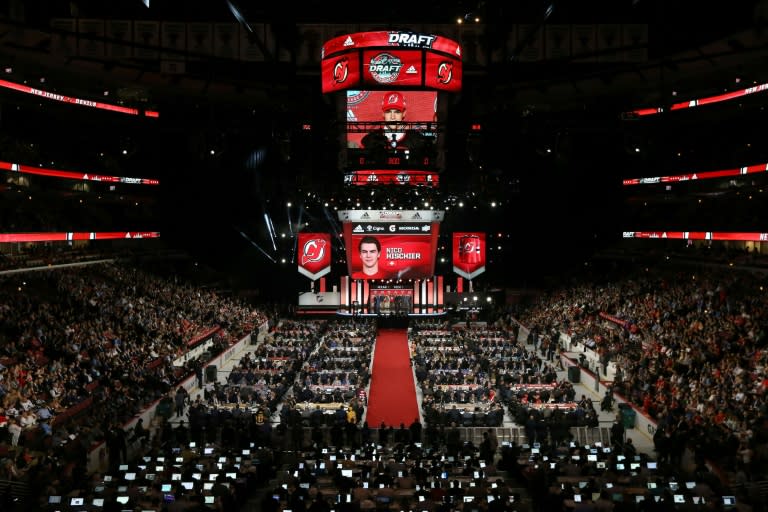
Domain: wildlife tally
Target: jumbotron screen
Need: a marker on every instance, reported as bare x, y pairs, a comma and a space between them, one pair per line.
394, 114
384, 244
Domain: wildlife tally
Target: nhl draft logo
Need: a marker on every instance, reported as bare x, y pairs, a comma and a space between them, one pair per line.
445, 72
341, 71
385, 68
313, 251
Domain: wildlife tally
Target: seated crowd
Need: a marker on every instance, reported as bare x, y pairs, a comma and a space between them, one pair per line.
85, 349
114, 323
690, 346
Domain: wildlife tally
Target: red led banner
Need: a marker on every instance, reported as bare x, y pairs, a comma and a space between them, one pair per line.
698, 235
749, 169
392, 177
70, 236
75, 101
708, 100
468, 254
55, 173
314, 254
391, 59
397, 39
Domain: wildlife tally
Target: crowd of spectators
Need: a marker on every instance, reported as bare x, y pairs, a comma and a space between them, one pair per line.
84, 349
689, 344
690, 348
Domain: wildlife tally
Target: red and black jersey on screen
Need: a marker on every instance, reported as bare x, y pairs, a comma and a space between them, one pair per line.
380, 144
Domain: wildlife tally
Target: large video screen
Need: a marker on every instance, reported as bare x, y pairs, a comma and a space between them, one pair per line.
391, 59
391, 119
399, 247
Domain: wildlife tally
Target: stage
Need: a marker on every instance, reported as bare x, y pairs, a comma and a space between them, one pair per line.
425, 313
417, 313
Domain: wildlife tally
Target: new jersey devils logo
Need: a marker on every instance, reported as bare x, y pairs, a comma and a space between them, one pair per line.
313, 251
445, 72
341, 71
469, 249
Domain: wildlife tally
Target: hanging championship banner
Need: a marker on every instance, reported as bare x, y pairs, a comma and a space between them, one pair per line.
314, 253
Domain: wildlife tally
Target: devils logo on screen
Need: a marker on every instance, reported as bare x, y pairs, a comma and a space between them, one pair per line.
341, 71
445, 72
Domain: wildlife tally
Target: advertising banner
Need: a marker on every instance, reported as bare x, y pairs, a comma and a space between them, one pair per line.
390, 245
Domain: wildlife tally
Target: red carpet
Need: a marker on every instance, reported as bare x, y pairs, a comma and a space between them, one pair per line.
392, 397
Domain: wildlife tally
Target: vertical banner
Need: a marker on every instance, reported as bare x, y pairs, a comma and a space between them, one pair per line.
530, 40
557, 42
609, 42
314, 254
502, 50
634, 38
200, 40
308, 53
64, 39
174, 40
584, 42
275, 44
91, 40
146, 35
226, 40
471, 40
252, 45
120, 39
469, 254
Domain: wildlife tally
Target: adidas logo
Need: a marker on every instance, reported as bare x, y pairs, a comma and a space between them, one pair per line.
365, 216
411, 70
358, 229
348, 41
416, 216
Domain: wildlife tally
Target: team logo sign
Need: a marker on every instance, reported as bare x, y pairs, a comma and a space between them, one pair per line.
469, 254
313, 251
341, 70
469, 249
385, 68
445, 72
315, 254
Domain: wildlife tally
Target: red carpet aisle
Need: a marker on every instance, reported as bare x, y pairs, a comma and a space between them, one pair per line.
393, 393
